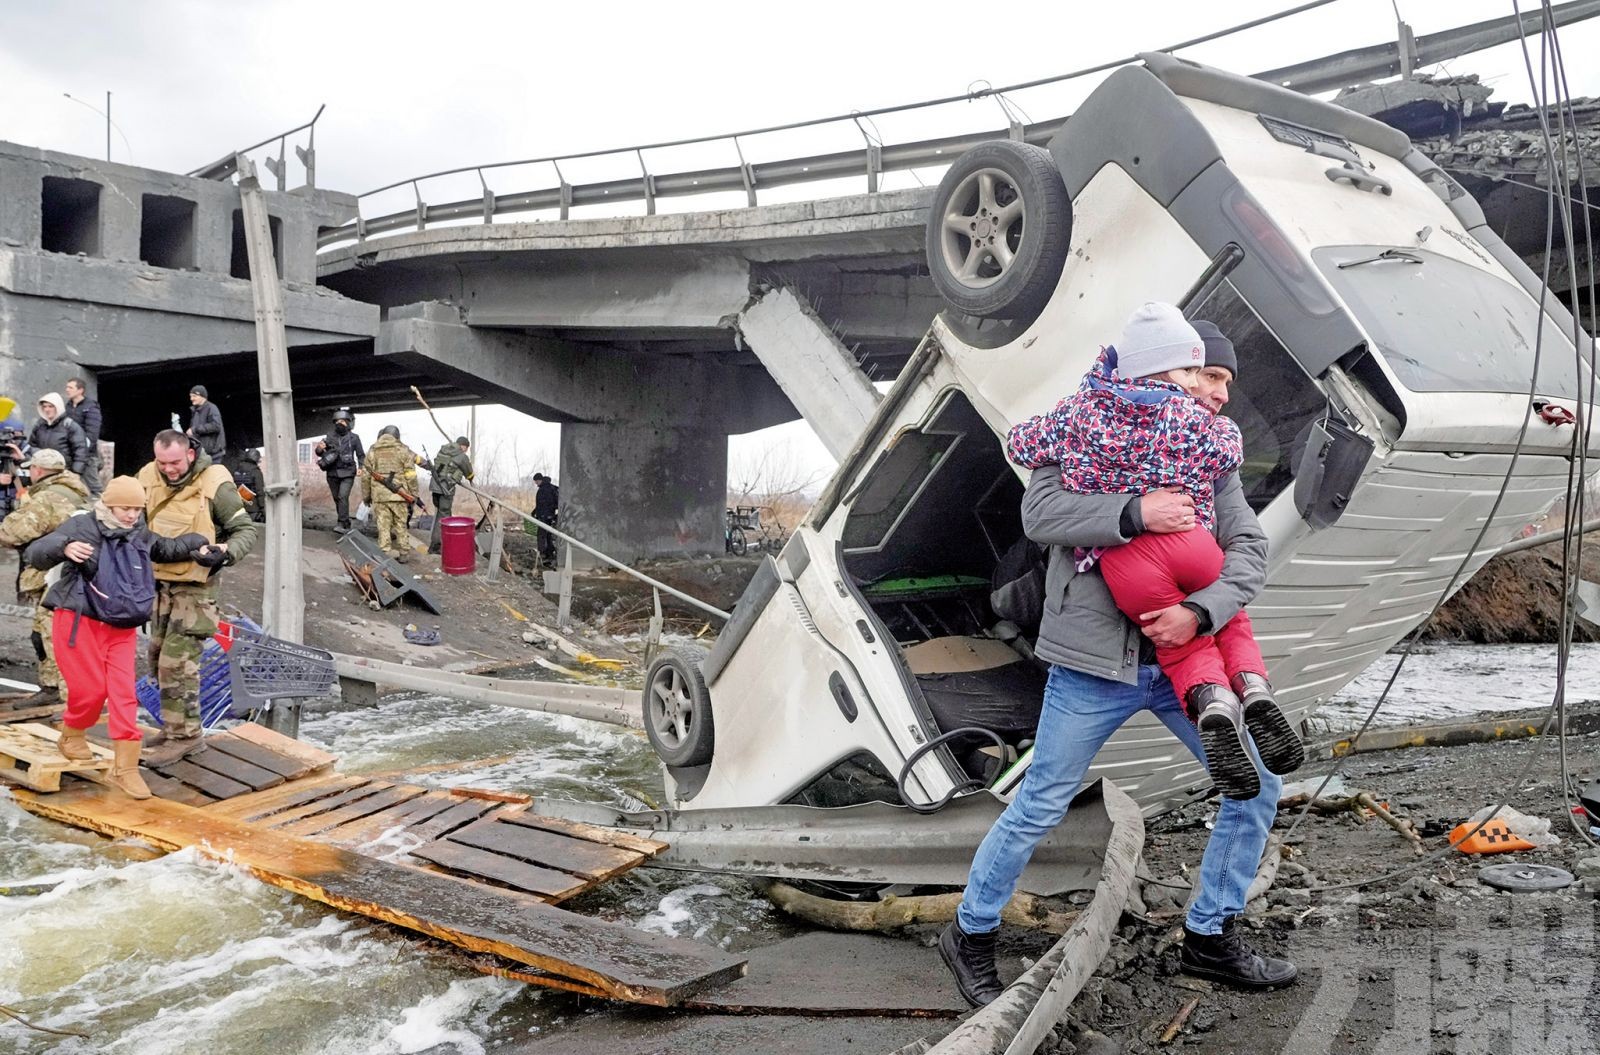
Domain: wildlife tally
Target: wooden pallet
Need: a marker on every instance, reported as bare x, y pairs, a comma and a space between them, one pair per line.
562, 949
245, 759
551, 859
29, 757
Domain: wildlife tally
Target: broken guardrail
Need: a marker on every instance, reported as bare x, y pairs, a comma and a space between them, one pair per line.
595, 703
653, 635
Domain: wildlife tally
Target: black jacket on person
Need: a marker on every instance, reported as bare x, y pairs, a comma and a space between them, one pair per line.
87, 415
546, 501
67, 592
64, 435
205, 425
342, 455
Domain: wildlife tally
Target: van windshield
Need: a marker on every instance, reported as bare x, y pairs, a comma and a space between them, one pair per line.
1445, 326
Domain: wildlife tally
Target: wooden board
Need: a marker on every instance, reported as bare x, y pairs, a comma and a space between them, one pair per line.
546, 883
32, 714
214, 784
176, 790
323, 804
562, 852
354, 811
262, 804
624, 963
449, 820
288, 767
29, 756
413, 812
591, 832
255, 777
314, 757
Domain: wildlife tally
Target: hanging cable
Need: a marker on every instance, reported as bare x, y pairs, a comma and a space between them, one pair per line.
1576, 475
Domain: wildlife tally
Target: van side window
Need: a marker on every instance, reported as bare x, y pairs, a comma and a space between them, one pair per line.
1273, 399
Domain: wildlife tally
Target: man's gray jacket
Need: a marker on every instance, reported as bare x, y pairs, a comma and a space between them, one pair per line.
1082, 628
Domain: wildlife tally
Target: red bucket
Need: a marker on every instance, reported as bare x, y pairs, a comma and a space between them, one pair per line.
458, 545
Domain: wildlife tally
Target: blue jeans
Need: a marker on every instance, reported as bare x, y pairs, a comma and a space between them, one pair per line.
1080, 713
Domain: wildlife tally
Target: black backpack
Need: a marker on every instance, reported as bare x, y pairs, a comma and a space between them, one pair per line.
1017, 586
122, 592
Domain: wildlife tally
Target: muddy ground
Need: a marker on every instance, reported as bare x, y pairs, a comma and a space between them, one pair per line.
1431, 961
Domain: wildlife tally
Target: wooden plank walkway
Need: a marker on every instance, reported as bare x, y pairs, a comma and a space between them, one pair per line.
469, 867
593, 954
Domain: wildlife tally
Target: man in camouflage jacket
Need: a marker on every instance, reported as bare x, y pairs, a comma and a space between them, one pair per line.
389, 487
54, 496
186, 493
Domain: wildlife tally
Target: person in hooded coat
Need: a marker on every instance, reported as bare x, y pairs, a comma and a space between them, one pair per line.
56, 430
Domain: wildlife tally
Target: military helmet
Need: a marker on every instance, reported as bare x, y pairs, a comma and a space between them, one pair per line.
390, 430
344, 414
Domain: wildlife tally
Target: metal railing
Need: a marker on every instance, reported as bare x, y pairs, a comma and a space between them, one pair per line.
875, 158
227, 165
657, 588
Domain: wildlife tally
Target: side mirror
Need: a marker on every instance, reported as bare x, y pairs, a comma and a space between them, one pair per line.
1328, 470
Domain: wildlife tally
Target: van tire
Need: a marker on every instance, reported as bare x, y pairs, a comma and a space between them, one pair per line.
677, 707
1006, 269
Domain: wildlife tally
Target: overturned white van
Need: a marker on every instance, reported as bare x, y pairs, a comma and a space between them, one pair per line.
1388, 344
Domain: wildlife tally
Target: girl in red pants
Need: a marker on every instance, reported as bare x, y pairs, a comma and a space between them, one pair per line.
1133, 426
105, 592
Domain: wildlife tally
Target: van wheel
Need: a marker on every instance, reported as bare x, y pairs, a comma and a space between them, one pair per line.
677, 707
999, 230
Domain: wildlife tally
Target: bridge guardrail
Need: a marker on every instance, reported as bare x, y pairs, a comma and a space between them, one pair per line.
875, 157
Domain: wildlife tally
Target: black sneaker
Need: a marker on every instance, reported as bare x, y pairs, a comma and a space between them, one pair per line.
970, 958
1226, 957
1278, 744
1221, 723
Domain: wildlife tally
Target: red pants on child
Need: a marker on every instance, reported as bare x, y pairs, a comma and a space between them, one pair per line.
97, 662
1157, 571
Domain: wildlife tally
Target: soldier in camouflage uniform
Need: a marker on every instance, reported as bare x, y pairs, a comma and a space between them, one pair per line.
54, 495
389, 487
186, 493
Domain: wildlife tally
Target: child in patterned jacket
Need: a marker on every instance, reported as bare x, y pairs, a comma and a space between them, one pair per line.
1133, 427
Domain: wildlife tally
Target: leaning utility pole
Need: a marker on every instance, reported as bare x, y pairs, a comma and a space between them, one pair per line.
283, 595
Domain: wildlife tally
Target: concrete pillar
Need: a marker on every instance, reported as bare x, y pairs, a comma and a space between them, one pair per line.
815, 370
635, 489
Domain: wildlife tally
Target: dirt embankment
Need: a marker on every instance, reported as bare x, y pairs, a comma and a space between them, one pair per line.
1514, 599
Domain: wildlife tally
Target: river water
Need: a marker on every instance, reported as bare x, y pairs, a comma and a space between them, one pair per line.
178, 955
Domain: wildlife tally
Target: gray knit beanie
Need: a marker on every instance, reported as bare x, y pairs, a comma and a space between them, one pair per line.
1156, 339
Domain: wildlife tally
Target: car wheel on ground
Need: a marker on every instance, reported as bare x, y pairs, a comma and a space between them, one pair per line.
999, 230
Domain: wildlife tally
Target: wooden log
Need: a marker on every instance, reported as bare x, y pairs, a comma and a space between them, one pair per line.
892, 913
624, 963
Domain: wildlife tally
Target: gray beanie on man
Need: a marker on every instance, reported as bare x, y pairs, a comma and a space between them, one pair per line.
1156, 339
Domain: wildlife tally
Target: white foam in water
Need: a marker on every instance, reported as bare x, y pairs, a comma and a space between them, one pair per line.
674, 916
427, 1026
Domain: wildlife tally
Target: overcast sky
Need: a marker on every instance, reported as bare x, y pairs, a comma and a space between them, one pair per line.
413, 88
